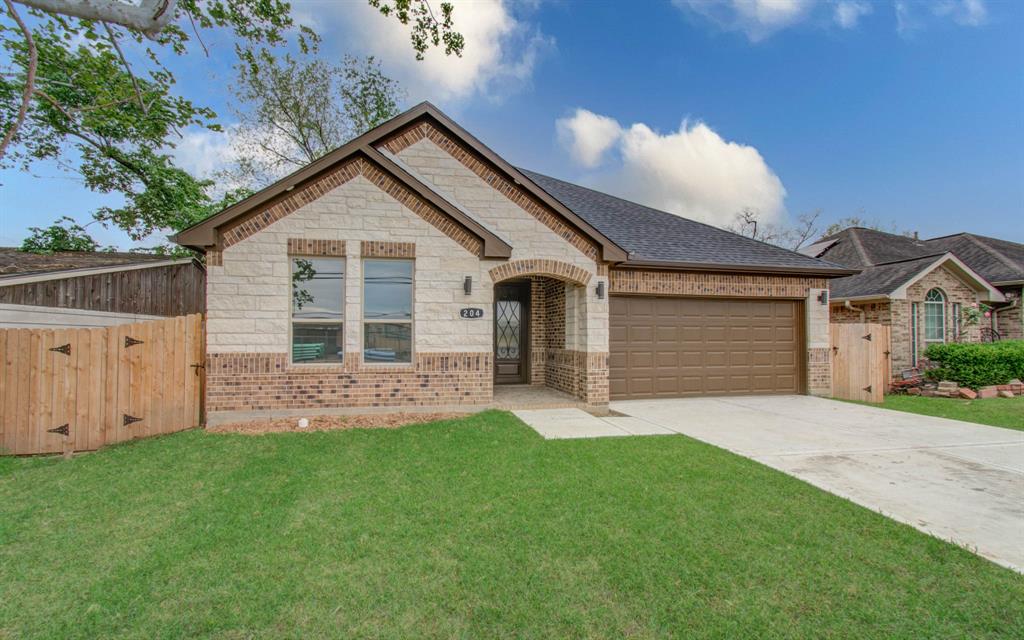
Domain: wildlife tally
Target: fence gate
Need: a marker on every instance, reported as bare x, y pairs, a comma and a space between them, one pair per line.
67, 390
860, 361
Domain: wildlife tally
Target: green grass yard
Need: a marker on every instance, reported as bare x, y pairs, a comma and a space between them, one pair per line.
475, 528
997, 412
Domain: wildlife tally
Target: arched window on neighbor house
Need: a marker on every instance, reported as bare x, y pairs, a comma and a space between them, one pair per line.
935, 316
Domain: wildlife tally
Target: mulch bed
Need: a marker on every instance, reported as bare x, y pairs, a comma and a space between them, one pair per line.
332, 423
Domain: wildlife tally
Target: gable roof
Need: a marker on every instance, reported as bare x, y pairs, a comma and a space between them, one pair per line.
1000, 261
659, 238
20, 267
891, 279
881, 256
202, 235
625, 232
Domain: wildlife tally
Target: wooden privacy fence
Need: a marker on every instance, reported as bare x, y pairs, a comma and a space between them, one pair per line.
65, 390
860, 361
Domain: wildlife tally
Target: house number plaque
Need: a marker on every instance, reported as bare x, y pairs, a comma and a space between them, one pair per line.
471, 313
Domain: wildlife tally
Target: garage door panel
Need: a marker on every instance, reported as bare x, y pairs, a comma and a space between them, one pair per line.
671, 347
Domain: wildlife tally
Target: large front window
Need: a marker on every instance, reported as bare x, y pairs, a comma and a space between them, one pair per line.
934, 316
318, 310
387, 311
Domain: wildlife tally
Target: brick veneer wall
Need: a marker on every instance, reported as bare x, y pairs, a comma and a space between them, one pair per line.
267, 382
874, 312
1009, 321
316, 247
688, 283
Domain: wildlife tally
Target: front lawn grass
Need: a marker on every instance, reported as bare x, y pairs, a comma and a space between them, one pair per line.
475, 528
997, 412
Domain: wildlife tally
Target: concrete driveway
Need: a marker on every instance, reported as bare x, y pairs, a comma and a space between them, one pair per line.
959, 481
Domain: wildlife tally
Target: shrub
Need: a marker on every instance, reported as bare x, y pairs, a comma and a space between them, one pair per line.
977, 365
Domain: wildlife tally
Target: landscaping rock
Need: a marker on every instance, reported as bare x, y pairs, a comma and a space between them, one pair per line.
1003, 393
948, 385
914, 391
988, 392
967, 394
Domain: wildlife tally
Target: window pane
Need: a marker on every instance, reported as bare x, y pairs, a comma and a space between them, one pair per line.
318, 288
317, 342
934, 321
387, 290
387, 342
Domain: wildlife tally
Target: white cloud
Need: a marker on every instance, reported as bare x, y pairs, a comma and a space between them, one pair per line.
849, 12
588, 136
969, 13
758, 19
500, 54
692, 172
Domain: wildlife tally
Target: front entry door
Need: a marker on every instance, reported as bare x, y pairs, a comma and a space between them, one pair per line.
511, 333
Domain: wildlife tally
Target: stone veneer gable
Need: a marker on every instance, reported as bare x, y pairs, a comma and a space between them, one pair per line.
520, 196
334, 178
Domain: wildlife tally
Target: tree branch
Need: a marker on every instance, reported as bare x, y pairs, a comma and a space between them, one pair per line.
30, 80
149, 16
127, 67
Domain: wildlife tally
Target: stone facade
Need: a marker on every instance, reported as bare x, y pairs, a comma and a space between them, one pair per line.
354, 212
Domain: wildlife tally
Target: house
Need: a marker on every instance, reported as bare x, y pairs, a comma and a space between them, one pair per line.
414, 266
921, 288
96, 289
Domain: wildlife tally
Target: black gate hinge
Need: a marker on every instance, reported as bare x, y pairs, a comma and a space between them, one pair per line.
130, 341
64, 348
62, 429
130, 419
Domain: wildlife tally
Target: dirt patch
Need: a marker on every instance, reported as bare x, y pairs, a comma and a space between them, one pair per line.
332, 423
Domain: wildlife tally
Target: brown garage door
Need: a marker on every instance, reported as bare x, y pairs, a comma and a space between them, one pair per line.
672, 347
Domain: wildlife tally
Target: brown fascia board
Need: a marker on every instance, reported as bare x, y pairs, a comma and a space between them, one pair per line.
824, 272
610, 252
204, 234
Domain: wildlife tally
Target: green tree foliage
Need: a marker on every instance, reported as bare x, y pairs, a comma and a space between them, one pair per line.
63, 235
97, 98
293, 111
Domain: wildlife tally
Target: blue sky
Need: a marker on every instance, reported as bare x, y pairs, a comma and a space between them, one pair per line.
904, 113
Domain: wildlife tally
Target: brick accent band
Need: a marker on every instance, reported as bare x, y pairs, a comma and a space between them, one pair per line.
308, 247
540, 267
383, 249
214, 258
338, 176
267, 381
488, 174
733, 285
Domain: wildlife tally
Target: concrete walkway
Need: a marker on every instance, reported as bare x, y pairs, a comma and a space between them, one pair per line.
959, 481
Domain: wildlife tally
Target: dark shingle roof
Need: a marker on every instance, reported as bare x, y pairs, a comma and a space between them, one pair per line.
996, 260
884, 256
657, 236
13, 261
880, 279
859, 247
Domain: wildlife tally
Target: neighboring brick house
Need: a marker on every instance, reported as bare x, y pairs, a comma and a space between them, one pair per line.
413, 266
919, 288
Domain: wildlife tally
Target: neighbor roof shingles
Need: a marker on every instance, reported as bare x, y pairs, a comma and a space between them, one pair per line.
14, 261
880, 279
657, 236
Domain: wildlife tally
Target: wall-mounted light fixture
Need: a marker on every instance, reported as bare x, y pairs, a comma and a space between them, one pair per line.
823, 297
600, 290
467, 285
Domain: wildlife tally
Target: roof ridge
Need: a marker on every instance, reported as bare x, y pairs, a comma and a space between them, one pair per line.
859, 246
1009, 262
930, 255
